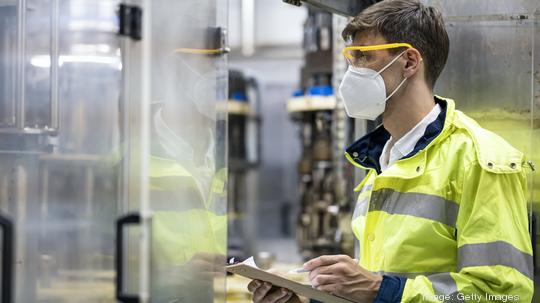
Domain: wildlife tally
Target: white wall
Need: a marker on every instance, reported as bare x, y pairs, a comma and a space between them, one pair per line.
276, 23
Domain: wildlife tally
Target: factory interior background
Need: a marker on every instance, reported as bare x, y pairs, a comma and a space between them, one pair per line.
135, 130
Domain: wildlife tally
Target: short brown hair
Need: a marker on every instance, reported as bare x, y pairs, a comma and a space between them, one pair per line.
406, 21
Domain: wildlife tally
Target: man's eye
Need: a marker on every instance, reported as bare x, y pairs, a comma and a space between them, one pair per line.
359, 54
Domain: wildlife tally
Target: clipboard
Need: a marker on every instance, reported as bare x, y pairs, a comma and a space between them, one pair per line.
298, 288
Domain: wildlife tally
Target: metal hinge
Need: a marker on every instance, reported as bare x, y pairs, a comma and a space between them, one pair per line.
293, 2
531, 165
130, 18
217, 39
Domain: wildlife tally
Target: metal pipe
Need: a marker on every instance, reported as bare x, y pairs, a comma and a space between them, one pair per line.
126, 130
10, 49
339, 127
21, 73
248, 25
144, 128
54, 64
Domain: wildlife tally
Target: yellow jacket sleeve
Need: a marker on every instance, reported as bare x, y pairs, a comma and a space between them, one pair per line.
494, 262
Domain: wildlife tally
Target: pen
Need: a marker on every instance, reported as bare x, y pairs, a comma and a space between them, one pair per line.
298, 270
302, 270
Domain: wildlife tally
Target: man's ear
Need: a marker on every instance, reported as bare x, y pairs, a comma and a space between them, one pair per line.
412, 65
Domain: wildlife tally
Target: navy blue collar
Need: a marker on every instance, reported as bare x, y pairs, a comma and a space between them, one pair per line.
368, 149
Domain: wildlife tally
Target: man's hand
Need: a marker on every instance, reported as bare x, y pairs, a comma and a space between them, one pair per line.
264, 292
342, 276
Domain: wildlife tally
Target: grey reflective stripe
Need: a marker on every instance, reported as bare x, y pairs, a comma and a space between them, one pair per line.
404, 274
356, 249
415, 204
361, 208
445, 287
495, 253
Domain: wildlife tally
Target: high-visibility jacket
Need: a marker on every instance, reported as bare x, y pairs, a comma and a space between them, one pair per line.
185, 221
189, 231
451, 217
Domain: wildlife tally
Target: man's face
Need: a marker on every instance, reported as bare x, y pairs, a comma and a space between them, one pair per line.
378, 59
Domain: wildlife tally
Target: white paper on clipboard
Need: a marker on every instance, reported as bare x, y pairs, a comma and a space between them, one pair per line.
250, 270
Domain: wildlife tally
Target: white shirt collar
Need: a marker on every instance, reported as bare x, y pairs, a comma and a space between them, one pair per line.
393, 151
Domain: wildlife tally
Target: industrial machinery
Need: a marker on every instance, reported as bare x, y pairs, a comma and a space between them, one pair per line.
106, 107
325, 196
244, 158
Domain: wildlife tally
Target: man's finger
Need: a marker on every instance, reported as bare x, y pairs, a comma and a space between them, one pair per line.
261, 291
253, 285
319, 271
329, 288
320, 280
274, 296
287, 297
322, 261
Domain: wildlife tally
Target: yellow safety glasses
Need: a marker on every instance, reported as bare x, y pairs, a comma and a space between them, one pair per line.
198, 51
356, 56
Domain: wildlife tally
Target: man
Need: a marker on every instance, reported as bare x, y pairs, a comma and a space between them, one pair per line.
441, 214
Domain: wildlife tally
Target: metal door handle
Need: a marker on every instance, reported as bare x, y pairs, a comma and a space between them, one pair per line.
121, 222
7, 258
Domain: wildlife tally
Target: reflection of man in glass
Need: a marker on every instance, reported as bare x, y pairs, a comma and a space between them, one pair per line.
187, 175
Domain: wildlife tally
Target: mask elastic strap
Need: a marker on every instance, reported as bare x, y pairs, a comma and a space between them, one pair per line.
395, 90
390, 63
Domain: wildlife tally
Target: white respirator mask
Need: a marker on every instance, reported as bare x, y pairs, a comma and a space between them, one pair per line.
364, 93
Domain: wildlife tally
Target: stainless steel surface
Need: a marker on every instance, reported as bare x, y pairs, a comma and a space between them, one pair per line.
493, 74
463, 8
341, 7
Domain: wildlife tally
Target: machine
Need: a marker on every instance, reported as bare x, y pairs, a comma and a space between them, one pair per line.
325, 195
105, 109
244, 157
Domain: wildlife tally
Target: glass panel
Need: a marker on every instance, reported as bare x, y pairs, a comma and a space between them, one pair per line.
187, 164
63, 189
8, 67
83, 171
90, 76
38, 64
